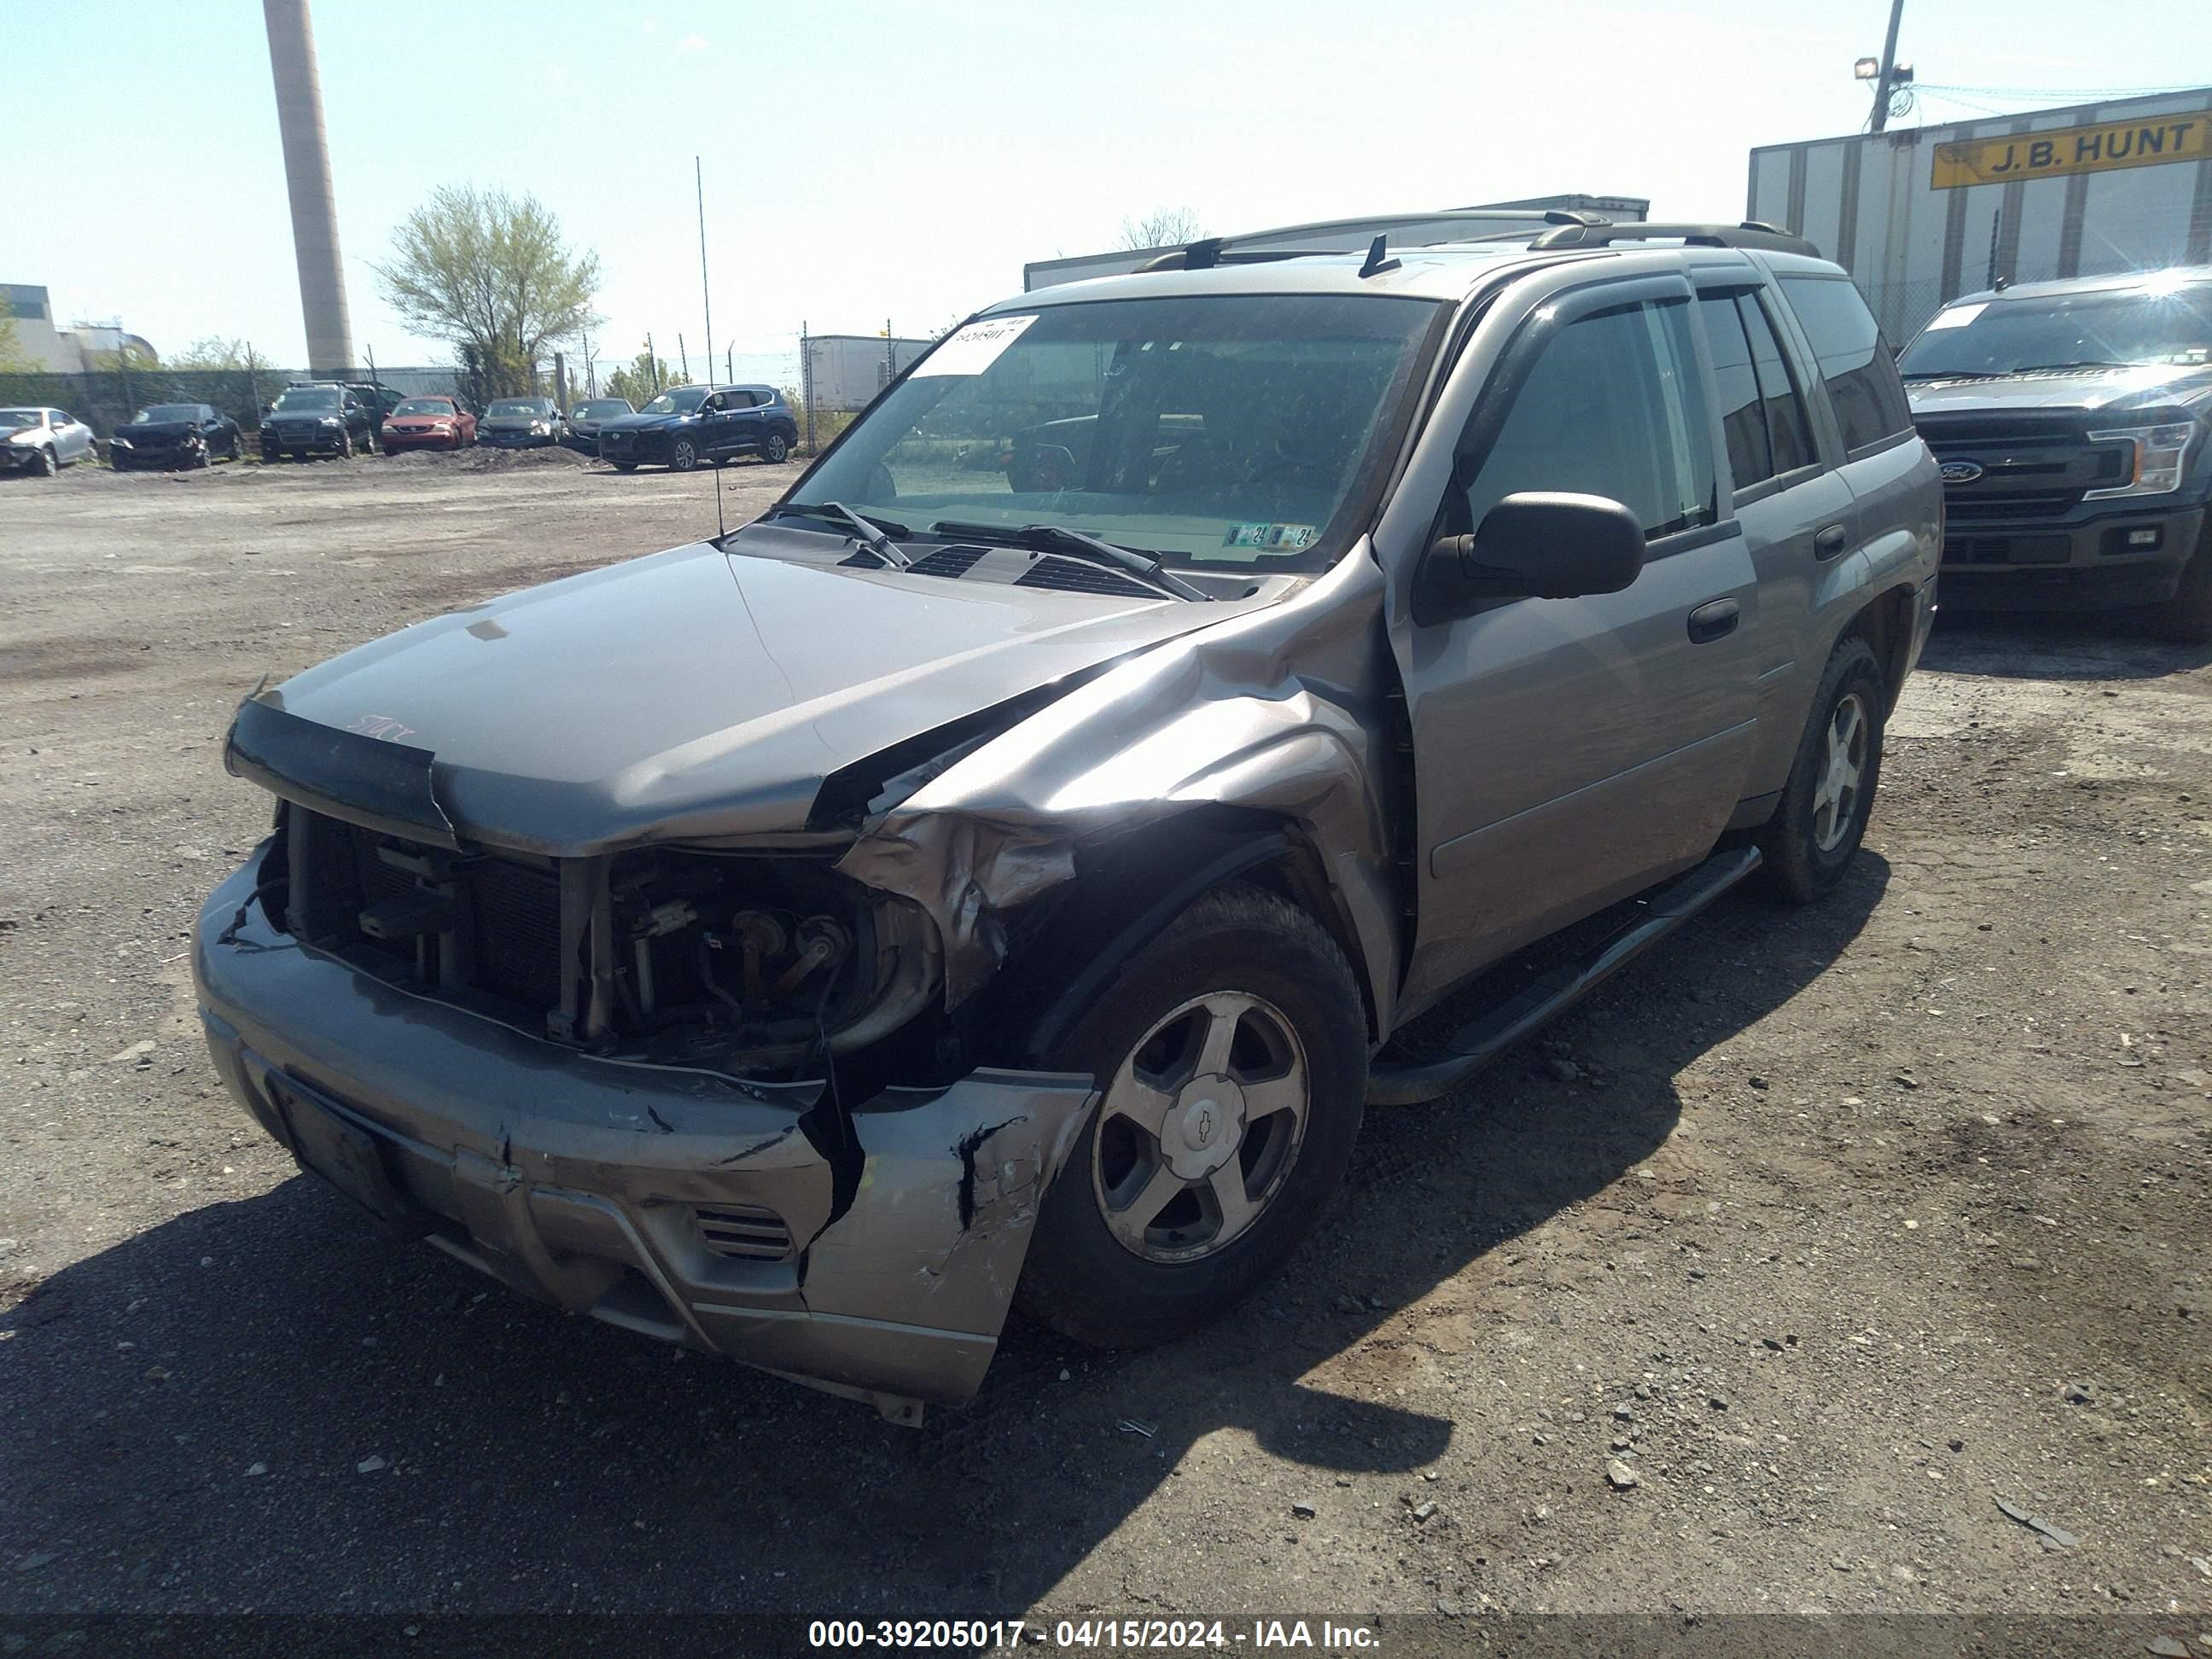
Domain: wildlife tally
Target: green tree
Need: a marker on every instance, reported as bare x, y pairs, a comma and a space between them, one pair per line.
489, 273
14, 359
215, 353
642, 379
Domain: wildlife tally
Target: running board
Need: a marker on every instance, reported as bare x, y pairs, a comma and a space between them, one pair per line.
1476, 1045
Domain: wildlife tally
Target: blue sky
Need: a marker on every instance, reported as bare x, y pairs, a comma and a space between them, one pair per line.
868, 161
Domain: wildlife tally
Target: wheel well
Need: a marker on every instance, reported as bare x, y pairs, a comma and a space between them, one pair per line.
1886, 625
1063, 949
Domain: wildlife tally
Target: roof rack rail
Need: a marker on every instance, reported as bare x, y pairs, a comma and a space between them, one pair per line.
1210, 251
1751, 233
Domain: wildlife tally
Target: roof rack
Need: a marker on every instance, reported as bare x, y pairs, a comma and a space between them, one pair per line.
1751, 233
1210, 251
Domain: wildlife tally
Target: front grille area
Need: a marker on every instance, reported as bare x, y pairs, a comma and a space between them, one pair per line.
473, 923
744, 1232
2033, 466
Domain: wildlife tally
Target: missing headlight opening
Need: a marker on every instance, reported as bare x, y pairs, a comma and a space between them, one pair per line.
758, 966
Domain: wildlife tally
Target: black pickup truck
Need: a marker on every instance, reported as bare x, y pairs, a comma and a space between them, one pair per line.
2070, 419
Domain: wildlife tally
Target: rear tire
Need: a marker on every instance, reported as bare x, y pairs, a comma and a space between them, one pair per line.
2186, 618
1243, 1017
625, 466
1814, 833
774, 449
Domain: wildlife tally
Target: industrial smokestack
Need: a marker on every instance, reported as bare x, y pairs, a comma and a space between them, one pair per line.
307, 174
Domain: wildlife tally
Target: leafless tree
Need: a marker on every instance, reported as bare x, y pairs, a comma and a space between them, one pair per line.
1162, 228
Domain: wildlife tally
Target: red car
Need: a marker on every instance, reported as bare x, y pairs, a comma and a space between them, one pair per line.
427, 423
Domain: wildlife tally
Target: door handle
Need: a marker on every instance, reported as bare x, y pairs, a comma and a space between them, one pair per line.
1828, 541
1712, 619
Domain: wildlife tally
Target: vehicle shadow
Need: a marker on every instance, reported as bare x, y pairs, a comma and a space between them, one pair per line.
264, 1404
2111, 645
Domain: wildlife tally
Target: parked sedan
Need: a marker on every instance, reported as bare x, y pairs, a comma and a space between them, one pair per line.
521, 423
42, 441
428, 423
585, 419
173, 434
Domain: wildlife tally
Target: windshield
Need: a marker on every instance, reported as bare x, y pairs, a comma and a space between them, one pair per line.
1229, 431
15, 420
2134, 325
424, 406
604, 410
682, 401
528, 406
308, 398
166, 412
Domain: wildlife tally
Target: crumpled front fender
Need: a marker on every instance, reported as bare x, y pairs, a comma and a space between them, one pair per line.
1281, 711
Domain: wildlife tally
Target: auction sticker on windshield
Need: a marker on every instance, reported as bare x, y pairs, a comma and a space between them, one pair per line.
975, 348
1285, 537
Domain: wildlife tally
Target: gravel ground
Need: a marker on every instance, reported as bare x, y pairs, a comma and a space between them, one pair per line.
1755, 1286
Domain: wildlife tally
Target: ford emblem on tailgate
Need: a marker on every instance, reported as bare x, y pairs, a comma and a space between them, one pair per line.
1960, 471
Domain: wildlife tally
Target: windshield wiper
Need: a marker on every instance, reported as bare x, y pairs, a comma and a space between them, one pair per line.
1073, 543
1954, 374
2051, 368
874, 534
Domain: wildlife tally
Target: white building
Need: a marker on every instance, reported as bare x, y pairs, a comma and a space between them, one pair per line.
79, 349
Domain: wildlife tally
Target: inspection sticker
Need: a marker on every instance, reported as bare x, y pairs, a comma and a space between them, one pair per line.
975, 348
1285, 537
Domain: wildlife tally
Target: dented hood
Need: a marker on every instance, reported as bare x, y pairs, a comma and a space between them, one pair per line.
692, 693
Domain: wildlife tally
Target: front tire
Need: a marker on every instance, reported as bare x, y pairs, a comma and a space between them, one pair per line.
1234, 1048
44, 465
682, 455
1814, 833
345, 446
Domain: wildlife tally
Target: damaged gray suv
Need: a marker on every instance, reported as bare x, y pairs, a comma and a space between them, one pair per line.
998, 874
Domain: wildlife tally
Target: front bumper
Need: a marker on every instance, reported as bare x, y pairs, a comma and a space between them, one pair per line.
320, 440
644, 448
581, 1182
393, 442
18, 458
151, 456
2088, 564
515, 440
584, 443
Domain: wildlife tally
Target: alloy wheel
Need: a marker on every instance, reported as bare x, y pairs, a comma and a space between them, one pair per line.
1836, 799
1202, 1123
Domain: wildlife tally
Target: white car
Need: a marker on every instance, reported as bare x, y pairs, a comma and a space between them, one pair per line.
42, 441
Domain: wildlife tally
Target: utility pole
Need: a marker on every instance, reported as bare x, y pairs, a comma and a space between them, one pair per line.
653, 362
705, 300
1886, 79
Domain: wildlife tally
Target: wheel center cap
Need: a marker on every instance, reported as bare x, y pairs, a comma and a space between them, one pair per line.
1204, 1127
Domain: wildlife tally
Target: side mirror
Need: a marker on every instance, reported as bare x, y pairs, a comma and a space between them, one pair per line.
1537, 544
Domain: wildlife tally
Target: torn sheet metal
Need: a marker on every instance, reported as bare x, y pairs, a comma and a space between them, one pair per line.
1217, 717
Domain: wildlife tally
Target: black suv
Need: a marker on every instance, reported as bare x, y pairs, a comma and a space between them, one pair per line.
688, 424
317, 417
2070, 419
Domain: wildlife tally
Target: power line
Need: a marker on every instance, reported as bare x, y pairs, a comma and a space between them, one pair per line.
2078, 93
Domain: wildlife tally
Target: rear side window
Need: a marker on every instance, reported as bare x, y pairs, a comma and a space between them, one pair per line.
1787, 428
1613, 406
1762, 417
1854, 359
